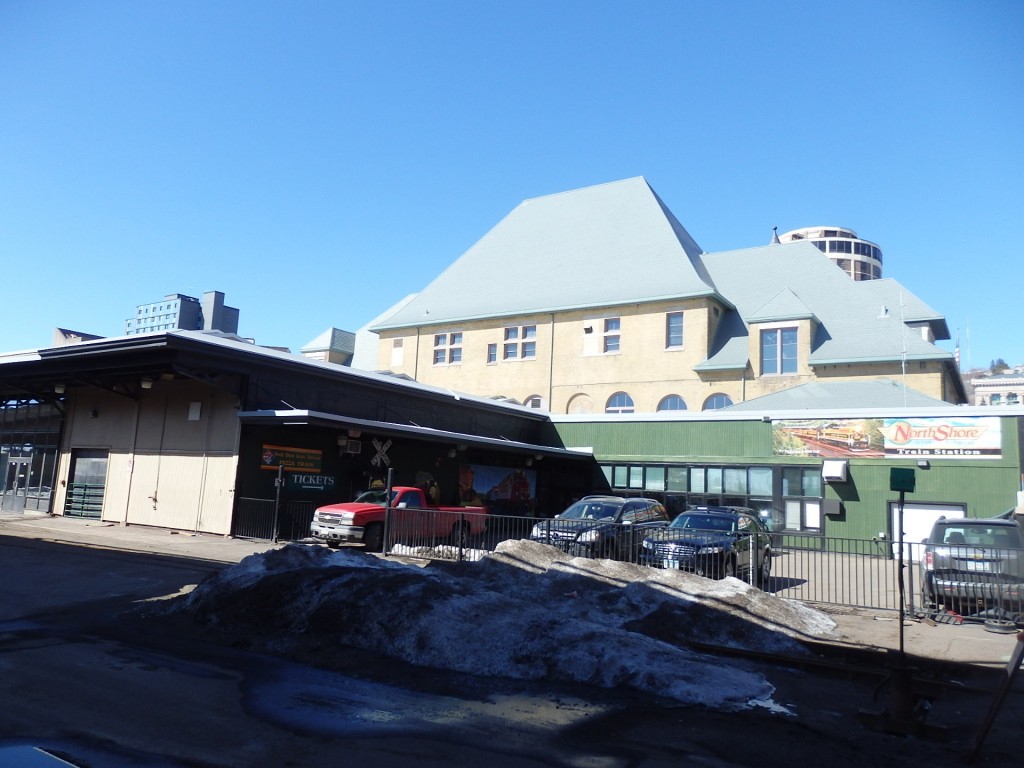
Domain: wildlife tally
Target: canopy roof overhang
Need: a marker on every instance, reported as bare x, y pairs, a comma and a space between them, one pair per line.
408, 431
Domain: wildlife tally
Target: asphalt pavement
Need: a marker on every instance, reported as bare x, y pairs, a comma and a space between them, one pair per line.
970, 642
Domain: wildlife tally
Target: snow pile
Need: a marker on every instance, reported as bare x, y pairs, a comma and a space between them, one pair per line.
526, 611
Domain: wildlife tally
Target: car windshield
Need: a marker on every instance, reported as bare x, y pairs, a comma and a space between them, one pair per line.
971, 535
378, 497
591, 510
704, 522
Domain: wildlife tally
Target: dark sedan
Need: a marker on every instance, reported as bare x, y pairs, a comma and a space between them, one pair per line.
602, 526
715, 542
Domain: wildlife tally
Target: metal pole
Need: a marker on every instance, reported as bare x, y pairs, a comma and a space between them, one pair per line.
277, 497
387, 512
899, 574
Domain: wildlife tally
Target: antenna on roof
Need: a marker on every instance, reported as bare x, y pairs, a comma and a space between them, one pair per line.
775, 236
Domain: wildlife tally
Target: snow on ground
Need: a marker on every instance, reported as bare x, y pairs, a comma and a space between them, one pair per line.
526, 611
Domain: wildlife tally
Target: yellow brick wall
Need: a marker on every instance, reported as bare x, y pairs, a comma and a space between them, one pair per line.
570, 370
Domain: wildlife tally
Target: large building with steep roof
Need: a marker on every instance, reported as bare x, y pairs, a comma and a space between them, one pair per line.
599, 300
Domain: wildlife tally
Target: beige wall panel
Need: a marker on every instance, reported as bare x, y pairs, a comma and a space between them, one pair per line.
166, 491
217, 503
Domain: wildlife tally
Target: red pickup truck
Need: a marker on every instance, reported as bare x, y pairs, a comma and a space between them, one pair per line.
413, 519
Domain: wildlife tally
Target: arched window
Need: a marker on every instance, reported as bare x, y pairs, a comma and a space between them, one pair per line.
620, 402
581, 403
534, 401
672, 403
716, 401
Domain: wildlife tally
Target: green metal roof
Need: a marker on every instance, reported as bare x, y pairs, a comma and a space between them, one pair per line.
600, 246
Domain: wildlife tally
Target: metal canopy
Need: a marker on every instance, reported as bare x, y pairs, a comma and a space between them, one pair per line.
411, 431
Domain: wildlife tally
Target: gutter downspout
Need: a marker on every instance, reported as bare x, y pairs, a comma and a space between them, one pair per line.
551, 361
416, 358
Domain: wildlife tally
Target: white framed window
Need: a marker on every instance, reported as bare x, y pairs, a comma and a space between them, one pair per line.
778, 351
716, 401
674, 330
448, 348
520, 342
672, 403
620, 402
610, 342
492, 354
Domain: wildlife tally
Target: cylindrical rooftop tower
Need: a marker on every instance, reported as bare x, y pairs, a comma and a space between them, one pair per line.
860, 259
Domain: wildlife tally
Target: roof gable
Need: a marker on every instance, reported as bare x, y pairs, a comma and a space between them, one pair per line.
605, 245
839, 395
785, 305
800, 278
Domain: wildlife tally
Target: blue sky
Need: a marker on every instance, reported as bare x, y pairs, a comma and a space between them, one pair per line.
317, 161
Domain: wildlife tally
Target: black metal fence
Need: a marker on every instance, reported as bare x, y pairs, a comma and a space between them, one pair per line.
256, 519
863, 573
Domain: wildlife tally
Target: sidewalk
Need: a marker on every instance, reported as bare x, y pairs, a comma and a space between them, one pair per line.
130, 538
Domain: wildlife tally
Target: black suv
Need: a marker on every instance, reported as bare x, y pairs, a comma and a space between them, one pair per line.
973, 564
715, 542
602, 526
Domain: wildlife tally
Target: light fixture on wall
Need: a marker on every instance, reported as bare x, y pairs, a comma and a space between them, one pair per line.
451, 453
147, 383
60, 389
923, 464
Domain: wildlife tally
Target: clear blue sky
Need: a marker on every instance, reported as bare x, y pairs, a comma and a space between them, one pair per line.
317, 161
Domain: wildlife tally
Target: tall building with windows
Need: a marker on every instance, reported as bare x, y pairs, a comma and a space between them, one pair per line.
176, 310
599, 300
860, 259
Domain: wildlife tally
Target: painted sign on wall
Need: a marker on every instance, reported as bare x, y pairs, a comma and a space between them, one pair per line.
504, 490
968, 437
828, 438
292, 459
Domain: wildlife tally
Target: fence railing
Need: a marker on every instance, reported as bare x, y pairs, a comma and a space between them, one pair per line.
863, 573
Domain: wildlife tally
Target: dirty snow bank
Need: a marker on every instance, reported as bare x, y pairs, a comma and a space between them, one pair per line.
526, 611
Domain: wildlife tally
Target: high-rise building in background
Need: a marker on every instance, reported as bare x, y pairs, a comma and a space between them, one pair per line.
860, 259
176, 310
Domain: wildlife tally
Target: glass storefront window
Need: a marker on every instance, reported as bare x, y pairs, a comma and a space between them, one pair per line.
736, 480
812, 515
793, 514
789, 495
676, 478
697, 480
792, 481
812, 482
714, 479
760, 480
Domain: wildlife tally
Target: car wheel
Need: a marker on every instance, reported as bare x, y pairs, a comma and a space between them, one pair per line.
373, 537
765, 571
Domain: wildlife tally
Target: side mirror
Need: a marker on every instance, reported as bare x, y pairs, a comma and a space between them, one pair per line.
401, 505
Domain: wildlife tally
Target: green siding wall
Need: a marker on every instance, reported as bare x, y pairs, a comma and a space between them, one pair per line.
986, 486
